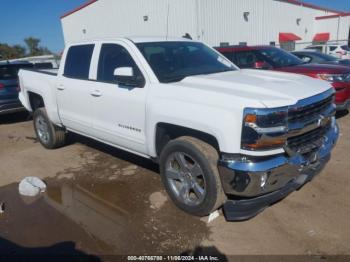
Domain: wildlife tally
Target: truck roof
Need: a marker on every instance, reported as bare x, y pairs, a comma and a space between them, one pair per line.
140, 39
136, 39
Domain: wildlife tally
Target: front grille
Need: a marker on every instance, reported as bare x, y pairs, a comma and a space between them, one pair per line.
305, 113
309, 141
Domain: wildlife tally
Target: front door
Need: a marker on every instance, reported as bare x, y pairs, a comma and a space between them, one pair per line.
118, 111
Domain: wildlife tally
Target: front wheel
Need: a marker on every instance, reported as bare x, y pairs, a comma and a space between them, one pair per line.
49, 135
190, 175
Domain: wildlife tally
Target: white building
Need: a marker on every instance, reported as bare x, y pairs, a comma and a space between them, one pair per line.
217, 22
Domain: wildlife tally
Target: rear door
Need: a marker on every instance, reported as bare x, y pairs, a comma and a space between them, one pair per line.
74, 87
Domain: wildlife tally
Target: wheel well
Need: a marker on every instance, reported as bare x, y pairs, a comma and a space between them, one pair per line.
166, 132
36, 101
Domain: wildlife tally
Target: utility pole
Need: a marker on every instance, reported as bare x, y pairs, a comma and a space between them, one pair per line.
338, 29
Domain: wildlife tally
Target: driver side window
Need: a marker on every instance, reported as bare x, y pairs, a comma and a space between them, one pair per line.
113, 56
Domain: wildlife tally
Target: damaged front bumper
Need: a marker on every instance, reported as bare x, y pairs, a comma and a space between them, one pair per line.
259, 182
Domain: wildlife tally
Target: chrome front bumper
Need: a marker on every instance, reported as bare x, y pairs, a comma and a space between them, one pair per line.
249, 178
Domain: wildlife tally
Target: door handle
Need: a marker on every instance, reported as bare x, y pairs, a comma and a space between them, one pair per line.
60, 87
96, 93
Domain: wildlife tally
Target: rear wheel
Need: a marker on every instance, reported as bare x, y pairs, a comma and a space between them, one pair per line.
48, 134
190, 175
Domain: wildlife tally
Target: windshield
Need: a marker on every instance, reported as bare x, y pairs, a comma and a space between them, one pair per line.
326, 57
8, 72
345, 47
174, 61
278, 58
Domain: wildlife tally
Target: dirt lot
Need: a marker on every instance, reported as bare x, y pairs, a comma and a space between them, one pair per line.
104, 201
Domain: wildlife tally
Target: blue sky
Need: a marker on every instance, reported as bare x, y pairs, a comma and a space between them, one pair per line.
40, 18
37, 18
342, 5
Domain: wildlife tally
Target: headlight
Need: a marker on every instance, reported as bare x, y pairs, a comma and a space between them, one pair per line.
334, 77
264, 129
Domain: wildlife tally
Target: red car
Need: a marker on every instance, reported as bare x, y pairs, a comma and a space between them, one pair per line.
272, 58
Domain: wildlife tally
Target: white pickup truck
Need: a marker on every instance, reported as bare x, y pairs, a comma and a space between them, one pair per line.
241, 139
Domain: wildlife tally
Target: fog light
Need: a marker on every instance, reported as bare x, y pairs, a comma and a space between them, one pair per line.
241, 181
263, 179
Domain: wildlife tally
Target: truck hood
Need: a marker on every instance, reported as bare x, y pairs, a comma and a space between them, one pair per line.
249, 87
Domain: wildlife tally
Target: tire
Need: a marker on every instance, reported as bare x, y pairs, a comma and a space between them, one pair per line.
48, 134
197, 191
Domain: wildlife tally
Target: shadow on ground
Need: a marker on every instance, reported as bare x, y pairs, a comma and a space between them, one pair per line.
14, 118
341, 114
114, 152
64, 251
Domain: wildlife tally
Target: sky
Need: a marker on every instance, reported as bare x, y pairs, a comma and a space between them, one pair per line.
38, 18
41, 19
341, 5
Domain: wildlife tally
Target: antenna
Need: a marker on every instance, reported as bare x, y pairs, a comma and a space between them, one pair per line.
167, 22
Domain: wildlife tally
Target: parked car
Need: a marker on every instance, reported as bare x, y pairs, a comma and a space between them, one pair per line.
272, 58
336, 50
314, 57
9, 88
217, 132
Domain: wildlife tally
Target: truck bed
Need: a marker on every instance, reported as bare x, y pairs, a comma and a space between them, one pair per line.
41, 82
52, 72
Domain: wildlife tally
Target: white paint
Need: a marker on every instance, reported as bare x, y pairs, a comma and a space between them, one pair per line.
212, 104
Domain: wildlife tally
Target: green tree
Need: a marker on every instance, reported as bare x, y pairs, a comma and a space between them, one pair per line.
19, 50
11, 52
33, 45
44, 51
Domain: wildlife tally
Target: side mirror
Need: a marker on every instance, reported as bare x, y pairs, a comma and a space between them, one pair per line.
125, 76
261, 65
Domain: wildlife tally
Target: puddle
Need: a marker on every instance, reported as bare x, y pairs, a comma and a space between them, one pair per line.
130, 214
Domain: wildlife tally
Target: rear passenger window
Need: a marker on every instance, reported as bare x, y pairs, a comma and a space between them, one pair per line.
78, 61
113, 56
332, 48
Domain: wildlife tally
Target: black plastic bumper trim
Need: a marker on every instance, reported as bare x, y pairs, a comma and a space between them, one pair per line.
248, 208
